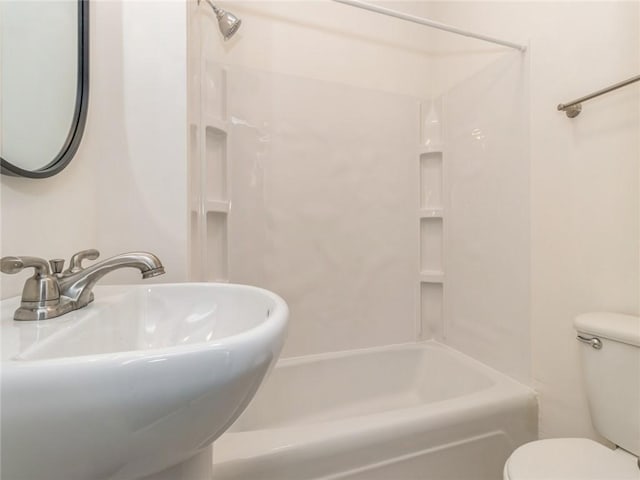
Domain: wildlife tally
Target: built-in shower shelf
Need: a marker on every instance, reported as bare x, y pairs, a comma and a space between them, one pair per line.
432, 276
430, 149
210, 121
218, 206
431, 213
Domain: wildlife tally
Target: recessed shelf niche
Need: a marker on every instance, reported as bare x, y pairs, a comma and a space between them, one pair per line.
196, 270
431, 180
431, 215
194, 169
430, 245
216, 263
431, 311
216, 163
208, 168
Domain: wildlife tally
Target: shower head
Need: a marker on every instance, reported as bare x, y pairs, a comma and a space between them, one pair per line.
227, 22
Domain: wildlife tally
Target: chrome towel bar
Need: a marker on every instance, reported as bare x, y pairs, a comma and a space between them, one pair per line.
573, 109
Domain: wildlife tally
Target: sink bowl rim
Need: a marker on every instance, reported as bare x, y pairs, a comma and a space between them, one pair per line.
270, 327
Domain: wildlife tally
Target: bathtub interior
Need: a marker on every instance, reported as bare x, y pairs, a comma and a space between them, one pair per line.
335, 386
415, 411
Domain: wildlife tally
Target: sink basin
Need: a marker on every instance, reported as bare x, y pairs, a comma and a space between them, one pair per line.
141, 380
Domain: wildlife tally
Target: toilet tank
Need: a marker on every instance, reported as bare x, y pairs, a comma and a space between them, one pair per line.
612, 375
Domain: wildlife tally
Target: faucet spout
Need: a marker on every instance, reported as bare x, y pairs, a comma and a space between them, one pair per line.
78, 286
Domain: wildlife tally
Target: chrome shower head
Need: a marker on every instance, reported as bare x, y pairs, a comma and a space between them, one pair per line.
227, 22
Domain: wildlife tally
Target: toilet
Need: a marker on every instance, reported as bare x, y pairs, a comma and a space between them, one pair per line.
610, 353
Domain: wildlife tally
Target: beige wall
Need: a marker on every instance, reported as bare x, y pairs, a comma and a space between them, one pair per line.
126, 188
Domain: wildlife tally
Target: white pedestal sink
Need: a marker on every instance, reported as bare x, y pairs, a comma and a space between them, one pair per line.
137, 384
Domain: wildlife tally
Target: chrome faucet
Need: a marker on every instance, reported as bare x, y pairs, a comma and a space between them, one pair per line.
52, 292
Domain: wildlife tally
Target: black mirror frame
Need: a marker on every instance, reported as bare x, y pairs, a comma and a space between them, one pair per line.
72, 142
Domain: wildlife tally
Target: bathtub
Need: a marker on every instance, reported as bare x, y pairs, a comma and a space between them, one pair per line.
418, 411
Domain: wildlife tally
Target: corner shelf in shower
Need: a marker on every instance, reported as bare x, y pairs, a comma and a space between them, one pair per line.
211, 203
431, 218
209, 166
210, 121
436, 212
425, 150
217, 206
214, 206
432, 276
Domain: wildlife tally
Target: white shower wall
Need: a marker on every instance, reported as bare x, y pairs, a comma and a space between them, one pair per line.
324, 184
323, 206
322, 40
487, 222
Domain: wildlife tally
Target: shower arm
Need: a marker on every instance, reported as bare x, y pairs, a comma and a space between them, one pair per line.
216, 10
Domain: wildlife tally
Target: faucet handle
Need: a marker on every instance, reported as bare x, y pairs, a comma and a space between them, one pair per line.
76, 260
17, 264
39, 292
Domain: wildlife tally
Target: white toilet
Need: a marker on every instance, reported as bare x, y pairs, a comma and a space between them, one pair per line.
611, 366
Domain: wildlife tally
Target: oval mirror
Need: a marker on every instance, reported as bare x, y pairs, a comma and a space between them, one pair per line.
44, 84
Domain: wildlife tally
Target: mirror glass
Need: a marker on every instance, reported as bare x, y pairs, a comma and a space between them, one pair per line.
42, 84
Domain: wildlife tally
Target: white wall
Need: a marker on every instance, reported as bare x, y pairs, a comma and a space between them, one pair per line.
584, 173
126, 188
585, 195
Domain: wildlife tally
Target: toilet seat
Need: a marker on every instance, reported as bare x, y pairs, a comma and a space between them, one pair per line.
570, 459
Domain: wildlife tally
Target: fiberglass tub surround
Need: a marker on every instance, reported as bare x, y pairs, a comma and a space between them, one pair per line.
387, 412
384, 216
387, 200
143, 379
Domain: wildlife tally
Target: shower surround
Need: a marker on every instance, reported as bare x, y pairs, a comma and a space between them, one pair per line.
384, 218
381, 219
335, 197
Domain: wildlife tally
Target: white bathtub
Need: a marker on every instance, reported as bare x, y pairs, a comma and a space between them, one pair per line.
419, 411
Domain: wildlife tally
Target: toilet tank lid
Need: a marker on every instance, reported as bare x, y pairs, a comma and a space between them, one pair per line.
614, 326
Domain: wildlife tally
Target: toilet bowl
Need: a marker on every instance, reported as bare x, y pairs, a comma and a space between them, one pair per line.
610, 354
570, 459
